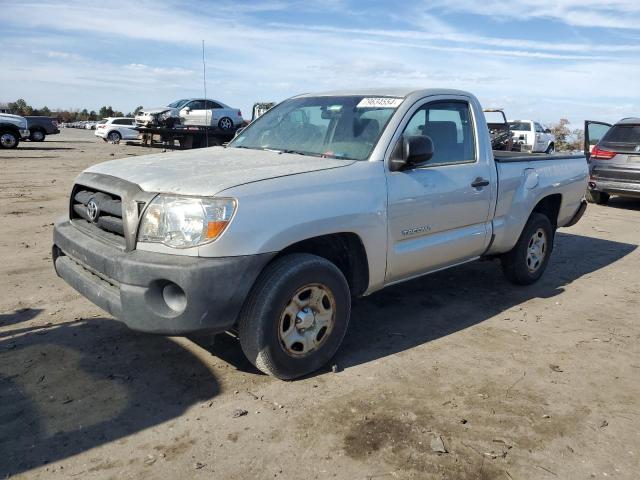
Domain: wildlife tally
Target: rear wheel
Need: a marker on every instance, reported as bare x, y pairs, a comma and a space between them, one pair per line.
527, 261
114, 137
37, 135
8, 139
594, 196
225, 124
295, 317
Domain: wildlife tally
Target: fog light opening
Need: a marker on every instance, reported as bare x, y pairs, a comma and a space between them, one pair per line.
174, 297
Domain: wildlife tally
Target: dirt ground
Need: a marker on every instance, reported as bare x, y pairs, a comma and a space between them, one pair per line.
536, 382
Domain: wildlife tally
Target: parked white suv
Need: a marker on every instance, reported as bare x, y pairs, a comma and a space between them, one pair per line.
532, 136
114, 129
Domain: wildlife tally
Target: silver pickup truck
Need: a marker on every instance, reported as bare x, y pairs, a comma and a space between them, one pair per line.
323, 198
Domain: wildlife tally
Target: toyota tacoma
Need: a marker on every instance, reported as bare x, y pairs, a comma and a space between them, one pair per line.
323, 198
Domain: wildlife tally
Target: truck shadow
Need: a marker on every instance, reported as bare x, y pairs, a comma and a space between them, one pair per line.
410, 314
70, 387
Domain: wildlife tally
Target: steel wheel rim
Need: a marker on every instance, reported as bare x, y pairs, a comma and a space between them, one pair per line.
226, 123
307, 320
8, 140
536, 250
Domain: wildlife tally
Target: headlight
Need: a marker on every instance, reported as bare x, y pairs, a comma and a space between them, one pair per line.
182, 222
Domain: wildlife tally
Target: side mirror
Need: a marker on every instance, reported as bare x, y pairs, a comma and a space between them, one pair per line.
186, 109
547, 130
411, 151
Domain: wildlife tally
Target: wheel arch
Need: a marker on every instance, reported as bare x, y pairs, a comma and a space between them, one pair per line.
550, 207
345, 250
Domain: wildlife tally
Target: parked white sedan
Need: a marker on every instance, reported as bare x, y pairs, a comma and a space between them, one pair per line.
532, 136
114, 129
192, 111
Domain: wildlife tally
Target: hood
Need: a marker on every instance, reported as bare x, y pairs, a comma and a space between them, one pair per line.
154, 110
15, 118
208, 171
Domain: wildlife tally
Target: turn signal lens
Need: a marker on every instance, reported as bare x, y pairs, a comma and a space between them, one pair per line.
214, 229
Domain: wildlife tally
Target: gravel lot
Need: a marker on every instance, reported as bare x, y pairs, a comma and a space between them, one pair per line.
514, 383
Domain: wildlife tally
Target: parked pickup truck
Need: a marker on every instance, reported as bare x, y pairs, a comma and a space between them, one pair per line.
13, 128
323, 198
532, 136
40, 127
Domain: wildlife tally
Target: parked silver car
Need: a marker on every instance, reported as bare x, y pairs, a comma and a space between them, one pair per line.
192, 111
614, 159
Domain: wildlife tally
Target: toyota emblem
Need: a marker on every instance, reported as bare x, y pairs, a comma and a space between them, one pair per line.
92, 210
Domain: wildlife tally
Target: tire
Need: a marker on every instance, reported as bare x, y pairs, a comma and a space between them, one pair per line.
9, 139
37, 135
272, 338
551, 148
594, 196
527, 261
225, 124
114, 137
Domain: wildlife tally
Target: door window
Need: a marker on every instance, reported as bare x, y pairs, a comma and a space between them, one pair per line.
449, 126
211, 105
196, 105
539, 128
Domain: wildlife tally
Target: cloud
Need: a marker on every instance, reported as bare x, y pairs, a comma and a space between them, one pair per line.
126, 54
614, 14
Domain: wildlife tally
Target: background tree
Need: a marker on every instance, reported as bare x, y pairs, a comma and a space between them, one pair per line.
93, 115
20, 107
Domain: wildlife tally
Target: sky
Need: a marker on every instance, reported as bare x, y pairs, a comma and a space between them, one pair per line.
537, 59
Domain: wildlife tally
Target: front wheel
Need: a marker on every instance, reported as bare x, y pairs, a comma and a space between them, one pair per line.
600, 198
527, 261
551, 148
8, 139
296, 316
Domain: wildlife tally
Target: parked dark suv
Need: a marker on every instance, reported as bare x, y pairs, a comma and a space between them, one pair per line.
40, 127
613, 153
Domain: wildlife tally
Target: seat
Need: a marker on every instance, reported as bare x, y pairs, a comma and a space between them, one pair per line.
445, 141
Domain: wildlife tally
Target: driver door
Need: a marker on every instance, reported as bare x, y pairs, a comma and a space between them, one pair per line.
194, 113
439, 212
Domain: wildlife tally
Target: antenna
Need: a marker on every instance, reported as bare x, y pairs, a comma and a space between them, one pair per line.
204, 83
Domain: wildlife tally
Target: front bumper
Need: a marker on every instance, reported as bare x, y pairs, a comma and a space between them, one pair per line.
24, 134
153, 292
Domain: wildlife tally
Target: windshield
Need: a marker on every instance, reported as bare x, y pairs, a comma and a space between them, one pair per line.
337, 127
526, 126
178, 103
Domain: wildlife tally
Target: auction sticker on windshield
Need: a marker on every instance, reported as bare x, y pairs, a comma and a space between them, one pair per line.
379, 102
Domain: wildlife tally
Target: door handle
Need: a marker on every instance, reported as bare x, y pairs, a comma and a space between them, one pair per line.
480, 182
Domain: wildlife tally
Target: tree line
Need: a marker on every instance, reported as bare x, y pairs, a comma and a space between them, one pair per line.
21, 107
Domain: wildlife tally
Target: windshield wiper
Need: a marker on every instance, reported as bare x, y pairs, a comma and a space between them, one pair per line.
300, 152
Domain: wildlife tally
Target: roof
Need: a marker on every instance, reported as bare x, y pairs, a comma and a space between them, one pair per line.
629, 121
402, 92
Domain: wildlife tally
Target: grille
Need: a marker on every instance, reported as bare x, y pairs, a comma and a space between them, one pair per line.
109, 209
